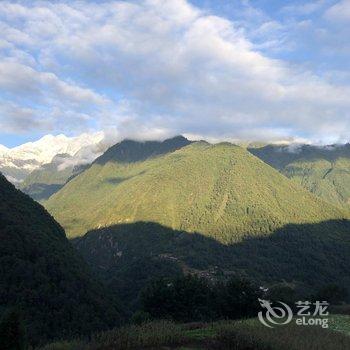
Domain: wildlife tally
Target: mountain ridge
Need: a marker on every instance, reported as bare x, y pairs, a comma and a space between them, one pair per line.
199, 187
18, 162
324, 171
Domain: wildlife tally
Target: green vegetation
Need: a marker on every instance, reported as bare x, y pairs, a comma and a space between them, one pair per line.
157, 210
324, 171
40, 184
221, 191
307, 257
238, 335
42, 275
191, 298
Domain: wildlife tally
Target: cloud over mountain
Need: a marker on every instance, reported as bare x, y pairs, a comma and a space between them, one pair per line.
158, 68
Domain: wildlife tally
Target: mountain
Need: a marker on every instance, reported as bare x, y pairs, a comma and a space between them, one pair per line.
212, 210
41, 183
16, 163
219, 190
3, 149
42, 274
322, 170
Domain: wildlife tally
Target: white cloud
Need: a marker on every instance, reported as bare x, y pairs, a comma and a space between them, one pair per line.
21, 79
165, 66
340, 11
306, 8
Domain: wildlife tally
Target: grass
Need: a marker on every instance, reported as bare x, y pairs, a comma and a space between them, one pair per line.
340, 323
235, 335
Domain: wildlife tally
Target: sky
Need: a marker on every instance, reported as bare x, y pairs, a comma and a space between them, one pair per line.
216, 69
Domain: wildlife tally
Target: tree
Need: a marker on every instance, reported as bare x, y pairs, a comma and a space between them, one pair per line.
238, 298
12, 332
181, 299
332, 293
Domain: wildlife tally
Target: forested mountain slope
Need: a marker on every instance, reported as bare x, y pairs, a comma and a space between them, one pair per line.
42, 274
221, 191
324, 171
201, 208
43, 182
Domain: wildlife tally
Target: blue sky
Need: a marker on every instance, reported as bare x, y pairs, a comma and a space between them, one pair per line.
220, 70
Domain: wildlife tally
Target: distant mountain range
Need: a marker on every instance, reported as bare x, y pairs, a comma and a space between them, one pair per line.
18, 162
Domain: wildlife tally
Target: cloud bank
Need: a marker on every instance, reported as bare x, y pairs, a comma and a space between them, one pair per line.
154, 68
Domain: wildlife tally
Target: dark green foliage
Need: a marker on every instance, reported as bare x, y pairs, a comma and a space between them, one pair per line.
192, 298
140, 317
237, 298
129, 151
186, 299
283, 292
304, 256
41, 273
12, 332
333, 293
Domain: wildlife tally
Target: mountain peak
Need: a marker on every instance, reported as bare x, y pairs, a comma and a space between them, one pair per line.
130, 151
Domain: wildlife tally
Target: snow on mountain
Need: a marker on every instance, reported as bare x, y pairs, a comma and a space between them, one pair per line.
3, 149
16, 163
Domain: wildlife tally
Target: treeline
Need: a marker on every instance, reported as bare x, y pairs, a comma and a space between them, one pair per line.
189, 298
192, 298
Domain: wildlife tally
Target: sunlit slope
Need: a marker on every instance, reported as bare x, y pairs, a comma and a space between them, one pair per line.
324, 171
218, 190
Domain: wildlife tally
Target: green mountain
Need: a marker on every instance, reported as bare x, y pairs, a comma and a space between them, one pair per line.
212, 210
43, 182
41, 273
221, 191
324, 171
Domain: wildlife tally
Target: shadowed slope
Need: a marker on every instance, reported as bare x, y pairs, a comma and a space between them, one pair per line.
41, 273
129, 151
307, 255
43, 182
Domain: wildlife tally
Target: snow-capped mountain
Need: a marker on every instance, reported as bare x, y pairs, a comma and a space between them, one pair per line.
16, 163
3, 149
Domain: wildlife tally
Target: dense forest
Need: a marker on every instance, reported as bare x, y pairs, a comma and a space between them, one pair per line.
221, 191
43, 277
324, 171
